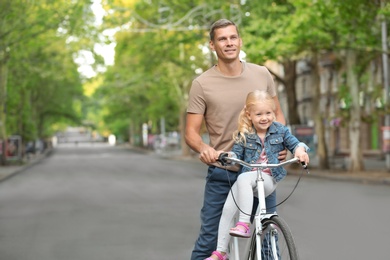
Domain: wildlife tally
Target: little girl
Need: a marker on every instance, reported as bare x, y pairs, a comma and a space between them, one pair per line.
259, 139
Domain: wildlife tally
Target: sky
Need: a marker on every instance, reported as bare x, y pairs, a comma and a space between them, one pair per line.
85, 58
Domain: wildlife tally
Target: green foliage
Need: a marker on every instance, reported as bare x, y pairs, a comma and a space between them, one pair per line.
152, 82
155, 62
159, 50
44, 87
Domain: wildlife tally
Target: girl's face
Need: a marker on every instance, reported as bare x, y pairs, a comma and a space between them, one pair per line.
261, 115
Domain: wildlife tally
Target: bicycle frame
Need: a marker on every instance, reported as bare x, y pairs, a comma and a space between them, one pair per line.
261, 212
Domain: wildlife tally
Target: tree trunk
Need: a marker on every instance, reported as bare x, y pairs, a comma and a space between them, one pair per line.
322, 151
3, 105
131, 133
290, 76
356, 158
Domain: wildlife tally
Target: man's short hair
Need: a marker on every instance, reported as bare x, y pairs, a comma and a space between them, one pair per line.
221, 23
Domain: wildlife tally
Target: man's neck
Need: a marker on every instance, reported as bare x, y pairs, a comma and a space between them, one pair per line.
230, 69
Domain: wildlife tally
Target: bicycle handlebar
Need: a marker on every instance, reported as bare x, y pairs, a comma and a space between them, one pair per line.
225, 159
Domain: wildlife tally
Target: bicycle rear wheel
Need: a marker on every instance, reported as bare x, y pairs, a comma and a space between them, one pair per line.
278, 242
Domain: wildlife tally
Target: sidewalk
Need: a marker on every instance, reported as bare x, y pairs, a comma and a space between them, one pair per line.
367, 177
375, 169
10, 170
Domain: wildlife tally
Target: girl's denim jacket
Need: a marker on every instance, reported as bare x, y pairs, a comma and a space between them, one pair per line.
277, 138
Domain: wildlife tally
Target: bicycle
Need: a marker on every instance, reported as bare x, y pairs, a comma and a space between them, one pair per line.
271, 238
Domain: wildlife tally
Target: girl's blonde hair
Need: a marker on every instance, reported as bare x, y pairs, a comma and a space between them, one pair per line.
244, 124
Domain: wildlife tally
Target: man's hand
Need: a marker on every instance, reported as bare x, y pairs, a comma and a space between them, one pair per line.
282, 155
208, 155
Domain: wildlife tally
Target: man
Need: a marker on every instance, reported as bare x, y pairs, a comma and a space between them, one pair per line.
217, 97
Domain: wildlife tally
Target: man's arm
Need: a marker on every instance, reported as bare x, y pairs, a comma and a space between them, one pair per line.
192, 134
193, 139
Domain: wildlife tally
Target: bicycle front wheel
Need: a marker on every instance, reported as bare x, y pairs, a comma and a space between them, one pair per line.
277, 241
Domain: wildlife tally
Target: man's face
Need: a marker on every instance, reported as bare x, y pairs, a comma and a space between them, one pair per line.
227, 43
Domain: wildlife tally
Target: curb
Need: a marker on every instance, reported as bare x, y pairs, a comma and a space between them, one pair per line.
27, 165
370, 176
375, 177
367, 177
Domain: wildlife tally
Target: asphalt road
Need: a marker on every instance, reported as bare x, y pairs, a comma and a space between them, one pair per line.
106, 203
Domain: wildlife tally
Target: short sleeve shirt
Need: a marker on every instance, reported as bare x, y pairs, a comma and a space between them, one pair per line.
221, 98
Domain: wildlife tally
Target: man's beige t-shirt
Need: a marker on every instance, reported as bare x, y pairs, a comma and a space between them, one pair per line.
221, 98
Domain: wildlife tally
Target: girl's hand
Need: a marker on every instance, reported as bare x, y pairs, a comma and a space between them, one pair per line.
302, 155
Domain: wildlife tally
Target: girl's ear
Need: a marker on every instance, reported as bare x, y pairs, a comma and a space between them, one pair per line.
248, 115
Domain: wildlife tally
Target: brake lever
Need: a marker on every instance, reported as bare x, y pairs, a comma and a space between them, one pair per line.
304, 165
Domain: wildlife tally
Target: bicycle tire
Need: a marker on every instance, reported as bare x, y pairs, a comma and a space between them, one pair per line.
285, 242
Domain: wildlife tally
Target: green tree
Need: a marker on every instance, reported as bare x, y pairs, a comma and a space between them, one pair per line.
38, 74
287, 31
357, 38
265, 39
151, 82
173, 55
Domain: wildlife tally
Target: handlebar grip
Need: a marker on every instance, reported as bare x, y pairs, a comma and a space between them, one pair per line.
222, 158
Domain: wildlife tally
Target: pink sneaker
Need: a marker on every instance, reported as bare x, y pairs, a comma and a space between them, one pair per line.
244, 232
220, 256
